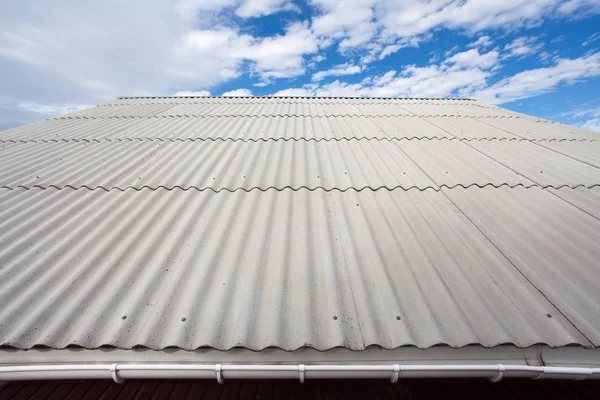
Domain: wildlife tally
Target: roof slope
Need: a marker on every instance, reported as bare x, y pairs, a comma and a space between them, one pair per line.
293, 222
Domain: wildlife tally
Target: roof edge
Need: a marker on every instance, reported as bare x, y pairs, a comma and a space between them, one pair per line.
472, 355
296, 97
569, 363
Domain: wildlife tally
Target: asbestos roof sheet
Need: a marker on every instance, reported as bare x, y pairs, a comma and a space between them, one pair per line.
296, 222
294, 269
540, 164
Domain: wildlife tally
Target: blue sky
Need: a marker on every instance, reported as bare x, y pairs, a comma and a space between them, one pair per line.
540, 57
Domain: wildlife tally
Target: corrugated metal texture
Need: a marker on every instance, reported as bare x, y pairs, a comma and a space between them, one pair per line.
408, 128
540, 130
73, 129
452, 163
587, 200
246, 128
213, 164
539, 164
249, 266
587, 152
554, 245
269, 269
278, 164
470, 129
464, 109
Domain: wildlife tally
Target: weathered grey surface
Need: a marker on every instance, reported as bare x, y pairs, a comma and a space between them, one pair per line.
298, 222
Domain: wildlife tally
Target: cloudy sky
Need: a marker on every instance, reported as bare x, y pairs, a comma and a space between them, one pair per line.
540, 57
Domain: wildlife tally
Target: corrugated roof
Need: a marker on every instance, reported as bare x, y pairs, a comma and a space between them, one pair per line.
265, 222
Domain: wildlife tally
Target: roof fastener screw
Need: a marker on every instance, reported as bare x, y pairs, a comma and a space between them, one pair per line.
183, 319
124, 317
549, 315
398, 318
335, 317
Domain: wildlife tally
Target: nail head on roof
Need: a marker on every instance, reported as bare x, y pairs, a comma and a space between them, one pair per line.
124, 317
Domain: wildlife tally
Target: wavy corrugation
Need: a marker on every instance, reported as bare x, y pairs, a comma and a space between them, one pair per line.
286, 269
296, 189
531, 129
335, 222
295, 164
539, 164
454, 163
553, 244
217, 165
73, 128
471, 128
587, 200
284, 139
588, 153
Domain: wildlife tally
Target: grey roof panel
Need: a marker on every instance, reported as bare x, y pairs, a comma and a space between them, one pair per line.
211, 164
259, 269
540, 130
585, 199
292, 222
408, 128
452, 163
539, 164
544, 237
196, 128
470, 128
587, 152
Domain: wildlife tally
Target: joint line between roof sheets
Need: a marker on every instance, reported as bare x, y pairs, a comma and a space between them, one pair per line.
493, 244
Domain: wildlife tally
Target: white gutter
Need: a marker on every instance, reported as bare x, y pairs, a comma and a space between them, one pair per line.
120, 373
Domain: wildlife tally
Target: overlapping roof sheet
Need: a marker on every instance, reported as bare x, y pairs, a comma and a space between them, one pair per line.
291, 222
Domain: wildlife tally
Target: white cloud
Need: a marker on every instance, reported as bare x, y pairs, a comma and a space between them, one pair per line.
465, 74
257, 8
413, 17
107, 50
281, 56
53, 109
482, 41
591, 39
472, 58
359, 23
522, 47
338, 70
594, 112
188, 93
59, 55
592, 125
412, 81
294, 92
391, 49
238, 93
349, 20
190, 9
541, 80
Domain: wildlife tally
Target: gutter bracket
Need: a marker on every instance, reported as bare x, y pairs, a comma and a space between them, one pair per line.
395, 374
114, 371
301, 370
219, 373
499, 374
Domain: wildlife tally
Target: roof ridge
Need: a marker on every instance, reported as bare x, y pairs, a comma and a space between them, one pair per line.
297, 97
